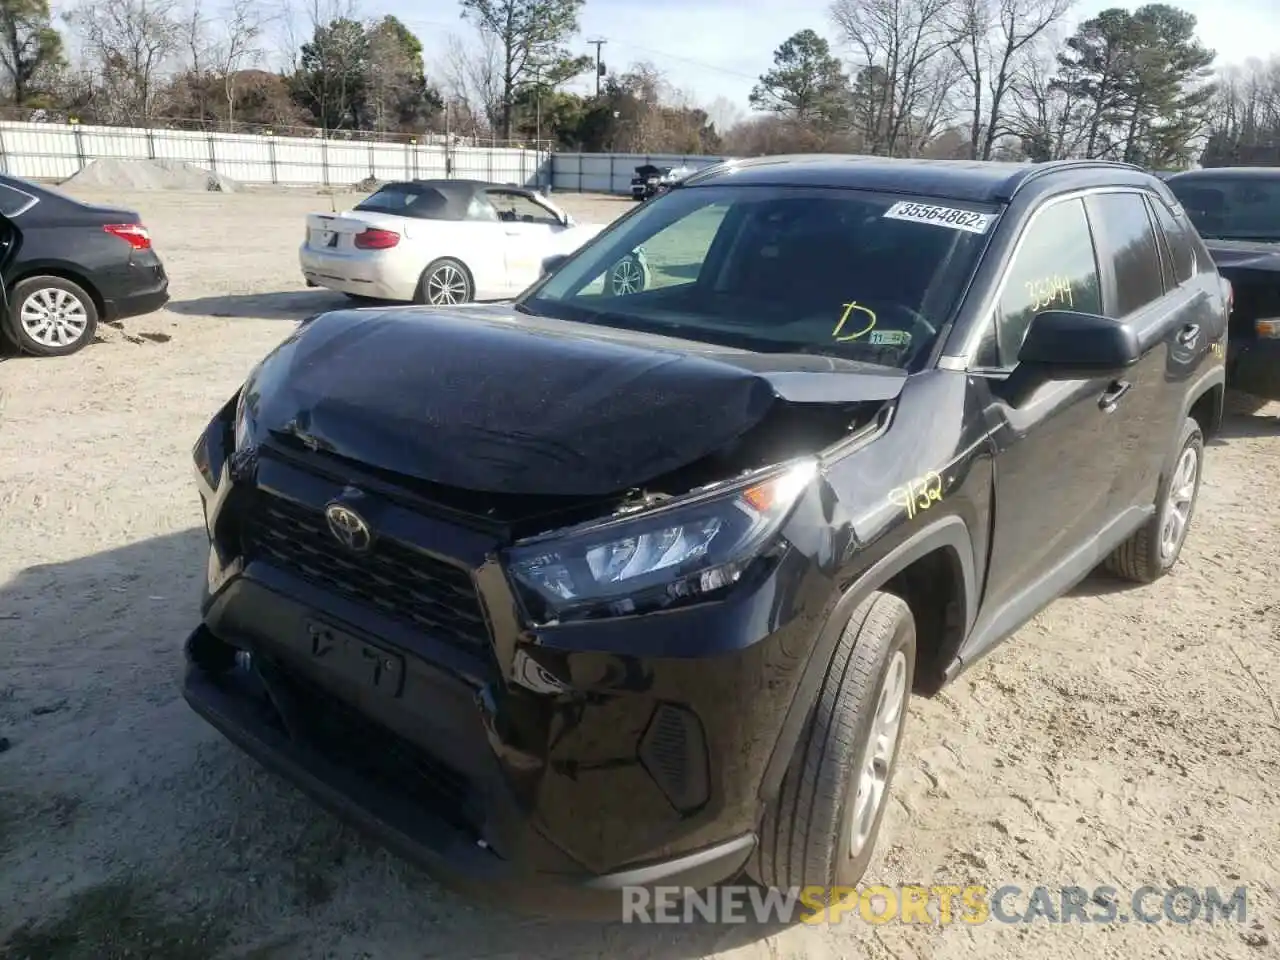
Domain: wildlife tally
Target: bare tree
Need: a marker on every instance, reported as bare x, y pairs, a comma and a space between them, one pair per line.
894, 42
1050, 120
239, 49
129, 42
473, 79
992, 41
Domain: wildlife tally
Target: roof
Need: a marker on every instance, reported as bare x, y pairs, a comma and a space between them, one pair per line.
454, 195
1227, 173
978, 181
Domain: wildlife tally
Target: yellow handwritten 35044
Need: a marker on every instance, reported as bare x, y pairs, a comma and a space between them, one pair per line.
918, 494
1047, 291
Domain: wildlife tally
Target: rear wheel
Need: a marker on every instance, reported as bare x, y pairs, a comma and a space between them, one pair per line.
1151, 552
629, 275
51, 316
445, 282
821, 829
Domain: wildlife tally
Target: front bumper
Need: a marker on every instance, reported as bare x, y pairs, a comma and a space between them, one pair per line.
565, 762
447, 852
1254, 367
377, 276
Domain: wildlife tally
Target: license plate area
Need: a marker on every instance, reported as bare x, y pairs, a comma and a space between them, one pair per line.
330, 238
370, 667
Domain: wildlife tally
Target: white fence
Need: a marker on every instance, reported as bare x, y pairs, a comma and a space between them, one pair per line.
55, 151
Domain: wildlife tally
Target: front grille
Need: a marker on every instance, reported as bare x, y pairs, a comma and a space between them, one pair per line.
356, 743
393, 578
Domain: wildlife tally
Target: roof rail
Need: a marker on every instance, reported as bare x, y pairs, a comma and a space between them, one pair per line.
1056, 166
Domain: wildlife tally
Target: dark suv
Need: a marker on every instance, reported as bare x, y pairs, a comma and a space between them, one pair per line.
1236, 210
595, 590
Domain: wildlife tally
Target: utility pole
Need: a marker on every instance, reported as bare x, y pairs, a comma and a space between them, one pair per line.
599, 66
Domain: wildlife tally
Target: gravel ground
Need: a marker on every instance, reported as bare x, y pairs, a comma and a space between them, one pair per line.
1124, 737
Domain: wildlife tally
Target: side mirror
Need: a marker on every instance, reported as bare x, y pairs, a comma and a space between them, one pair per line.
552, 264
1066, 345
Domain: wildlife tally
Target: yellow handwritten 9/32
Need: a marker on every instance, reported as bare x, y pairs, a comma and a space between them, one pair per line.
918, 494
1050, 291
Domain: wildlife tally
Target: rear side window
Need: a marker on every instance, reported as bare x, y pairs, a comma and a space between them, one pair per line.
1054, 268
1129, 241
407, 200
1177, 237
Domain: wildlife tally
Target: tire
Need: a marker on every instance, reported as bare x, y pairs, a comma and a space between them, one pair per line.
51, 316
629, 275
808, 837
1149, 554
445, 273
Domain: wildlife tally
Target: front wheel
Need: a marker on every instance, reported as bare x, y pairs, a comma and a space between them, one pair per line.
51, 316
444, 283
821, 829
1153, 550
629, 275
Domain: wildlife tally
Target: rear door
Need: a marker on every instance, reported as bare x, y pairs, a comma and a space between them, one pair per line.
1172, 327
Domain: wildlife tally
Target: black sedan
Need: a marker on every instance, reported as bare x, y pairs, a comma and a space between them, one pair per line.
65, 265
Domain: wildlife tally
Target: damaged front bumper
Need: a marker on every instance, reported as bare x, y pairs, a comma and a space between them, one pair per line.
543, 767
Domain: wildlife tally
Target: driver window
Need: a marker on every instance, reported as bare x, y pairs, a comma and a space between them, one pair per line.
517, 208
1055, 268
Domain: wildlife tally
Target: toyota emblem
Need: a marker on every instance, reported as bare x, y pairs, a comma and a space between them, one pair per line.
348, 527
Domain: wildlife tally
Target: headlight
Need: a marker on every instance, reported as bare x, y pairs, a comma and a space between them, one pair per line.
244, 424
687, 548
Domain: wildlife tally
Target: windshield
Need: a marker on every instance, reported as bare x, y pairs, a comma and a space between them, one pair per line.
844, 273
1232, 208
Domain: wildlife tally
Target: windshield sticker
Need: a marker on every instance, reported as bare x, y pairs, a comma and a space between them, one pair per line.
941, 216
889, 338
918, 494
1049, 291
838, 333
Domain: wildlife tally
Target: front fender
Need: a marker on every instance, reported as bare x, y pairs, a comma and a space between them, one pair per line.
947, 533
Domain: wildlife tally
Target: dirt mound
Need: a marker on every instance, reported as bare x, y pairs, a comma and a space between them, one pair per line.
369, 183
151, 175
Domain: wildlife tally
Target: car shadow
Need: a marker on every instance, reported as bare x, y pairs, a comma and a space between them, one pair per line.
1243, 426
292, 305
93, 723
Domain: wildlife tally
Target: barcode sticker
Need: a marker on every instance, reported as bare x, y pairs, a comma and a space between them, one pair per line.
941, 216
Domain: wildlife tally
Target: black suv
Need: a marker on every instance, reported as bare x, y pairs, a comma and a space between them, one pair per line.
1236, 211
595, 590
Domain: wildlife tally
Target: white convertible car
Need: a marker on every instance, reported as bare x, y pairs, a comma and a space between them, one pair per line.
446, 241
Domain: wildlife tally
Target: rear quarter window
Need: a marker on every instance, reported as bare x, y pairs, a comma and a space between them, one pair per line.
1128, 240
424, 203
1179, 236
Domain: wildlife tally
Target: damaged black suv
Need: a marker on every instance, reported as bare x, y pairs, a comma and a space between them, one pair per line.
595, 590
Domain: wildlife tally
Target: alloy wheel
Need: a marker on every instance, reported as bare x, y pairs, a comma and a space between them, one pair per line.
871, 782
446, 285
626, 277
1177, 508
53, 317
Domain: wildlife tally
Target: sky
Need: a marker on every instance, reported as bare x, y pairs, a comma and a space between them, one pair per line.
713, 49
718, 48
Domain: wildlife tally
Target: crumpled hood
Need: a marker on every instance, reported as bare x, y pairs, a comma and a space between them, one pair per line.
485, 399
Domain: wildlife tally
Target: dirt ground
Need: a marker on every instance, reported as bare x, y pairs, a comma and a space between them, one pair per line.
1125, 737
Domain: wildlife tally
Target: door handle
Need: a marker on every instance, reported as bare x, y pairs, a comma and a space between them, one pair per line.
1111, 396
1189, 334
